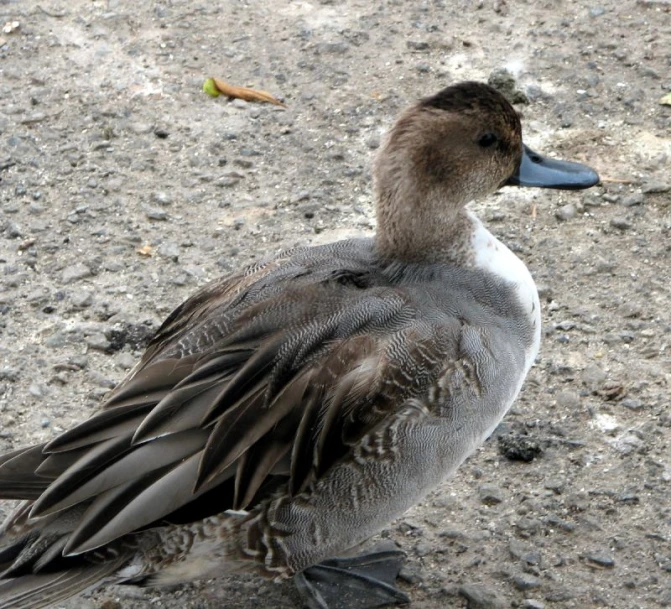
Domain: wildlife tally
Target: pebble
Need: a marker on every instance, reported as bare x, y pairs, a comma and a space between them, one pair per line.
75, 272
503, 81
621, 223
333, 48
523, 551
629, 443
567, 212
13, 230
418, 45
36, 390
156, 214
632, 404
526, 581
162, 198
528, 526
603, 559
9, 374
568, 399
170, 251
632, 200
411, 573
481, 597
81, 299
98, 342
519, 447
593, 377
655, 186
490, 494
532, 603
125, 360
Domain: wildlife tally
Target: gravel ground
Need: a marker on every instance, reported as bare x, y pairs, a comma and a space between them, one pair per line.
123, 188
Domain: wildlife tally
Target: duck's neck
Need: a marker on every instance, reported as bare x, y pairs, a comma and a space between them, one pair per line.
415, 231
421, 227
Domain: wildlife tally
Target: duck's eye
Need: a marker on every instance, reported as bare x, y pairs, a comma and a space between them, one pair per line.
488, 140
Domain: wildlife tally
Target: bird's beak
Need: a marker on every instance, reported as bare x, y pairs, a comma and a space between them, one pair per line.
541, 172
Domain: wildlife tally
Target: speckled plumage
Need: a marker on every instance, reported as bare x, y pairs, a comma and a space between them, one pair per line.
286, 413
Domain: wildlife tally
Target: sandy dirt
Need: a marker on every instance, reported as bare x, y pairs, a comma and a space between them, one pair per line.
124, 188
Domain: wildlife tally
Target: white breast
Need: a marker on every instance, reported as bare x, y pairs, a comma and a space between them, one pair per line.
493, 256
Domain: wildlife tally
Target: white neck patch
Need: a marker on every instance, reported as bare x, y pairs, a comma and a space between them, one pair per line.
493, 256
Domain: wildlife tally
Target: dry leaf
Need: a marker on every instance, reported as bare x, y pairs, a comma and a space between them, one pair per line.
215, 86
145, 250
11, 26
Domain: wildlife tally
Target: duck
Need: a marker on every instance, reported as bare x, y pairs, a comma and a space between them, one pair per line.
287, 412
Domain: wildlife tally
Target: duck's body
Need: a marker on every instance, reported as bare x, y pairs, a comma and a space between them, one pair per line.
285, 414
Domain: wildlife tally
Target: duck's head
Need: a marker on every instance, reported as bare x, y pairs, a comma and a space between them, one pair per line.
461, 144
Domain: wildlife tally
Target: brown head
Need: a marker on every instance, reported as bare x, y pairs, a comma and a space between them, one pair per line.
461, 144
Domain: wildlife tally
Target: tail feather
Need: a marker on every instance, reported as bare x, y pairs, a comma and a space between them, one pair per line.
41, 590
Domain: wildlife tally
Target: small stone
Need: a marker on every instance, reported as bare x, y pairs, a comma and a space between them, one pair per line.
373, 142
630, 310
655, 186
162, 198
9, 374
44, 423
125, 360
554, 484
597, 11
170, 251
411, 574
36, 390
490, 494
532, 603
156, 214
629, 443
334, 48
227, 181
593, 377
13, 230
418, 45
526, 581
100, 380
528, 526
504, 82
632, 200
602, 559
523, 551
81, 299
75, 272
632, 404
621, 223
98, 342
567, 212
140, 128
423, 549
568, 399
519, 447
481, 597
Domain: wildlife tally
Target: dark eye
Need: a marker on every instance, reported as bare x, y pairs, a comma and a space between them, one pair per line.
488, 140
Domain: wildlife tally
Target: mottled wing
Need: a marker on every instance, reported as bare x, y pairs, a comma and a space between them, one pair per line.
268, 379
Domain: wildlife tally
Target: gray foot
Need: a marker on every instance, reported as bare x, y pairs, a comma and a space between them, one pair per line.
362, 582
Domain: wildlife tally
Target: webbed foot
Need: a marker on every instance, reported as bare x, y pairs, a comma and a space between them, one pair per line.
361, 582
